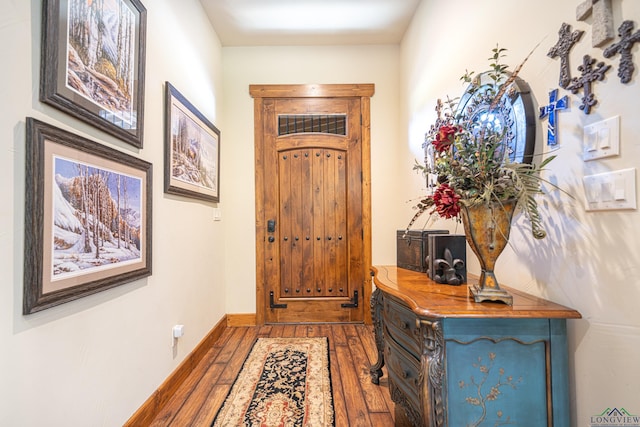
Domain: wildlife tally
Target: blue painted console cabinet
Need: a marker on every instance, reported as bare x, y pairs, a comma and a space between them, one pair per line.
454, 362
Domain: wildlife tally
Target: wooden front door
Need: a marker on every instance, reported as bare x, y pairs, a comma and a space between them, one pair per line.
312, 203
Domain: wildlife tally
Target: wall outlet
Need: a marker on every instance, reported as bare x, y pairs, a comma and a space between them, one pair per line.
178, 331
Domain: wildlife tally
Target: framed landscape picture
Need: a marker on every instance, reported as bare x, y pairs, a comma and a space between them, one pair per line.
87, 217
192, 150
93, 59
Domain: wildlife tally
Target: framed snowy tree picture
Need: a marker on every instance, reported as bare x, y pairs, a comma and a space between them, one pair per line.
87, 217
92, 65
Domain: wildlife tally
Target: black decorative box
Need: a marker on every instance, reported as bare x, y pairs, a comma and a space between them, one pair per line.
412, 249
447, 259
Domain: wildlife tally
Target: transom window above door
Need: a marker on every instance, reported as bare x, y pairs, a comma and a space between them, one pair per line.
335, 124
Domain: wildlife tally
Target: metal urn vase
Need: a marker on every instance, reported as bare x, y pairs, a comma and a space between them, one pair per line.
487, 228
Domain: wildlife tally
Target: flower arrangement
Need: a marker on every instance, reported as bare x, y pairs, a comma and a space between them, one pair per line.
470, 156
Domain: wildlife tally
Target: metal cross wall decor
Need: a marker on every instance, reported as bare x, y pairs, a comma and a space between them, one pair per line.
550, 110
623, 47
602, 27
589, 75
566, 40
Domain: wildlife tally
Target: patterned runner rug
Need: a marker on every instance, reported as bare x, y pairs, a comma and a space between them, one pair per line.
283, 382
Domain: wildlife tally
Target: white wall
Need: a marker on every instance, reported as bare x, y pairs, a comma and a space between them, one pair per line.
589, 261
94, 361
303, 65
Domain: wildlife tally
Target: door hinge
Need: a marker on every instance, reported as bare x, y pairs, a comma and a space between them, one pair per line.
353, 303
272, 304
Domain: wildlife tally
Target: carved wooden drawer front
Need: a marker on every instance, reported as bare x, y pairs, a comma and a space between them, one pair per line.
404, 374
401, 323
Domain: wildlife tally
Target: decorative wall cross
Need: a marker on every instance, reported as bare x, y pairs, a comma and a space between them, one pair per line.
566, 40
623, 47
602, 27
550, 110
589, 75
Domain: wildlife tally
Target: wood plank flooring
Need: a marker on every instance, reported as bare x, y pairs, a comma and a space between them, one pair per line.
357, 402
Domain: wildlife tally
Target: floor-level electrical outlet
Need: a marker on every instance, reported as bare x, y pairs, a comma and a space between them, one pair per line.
178, 331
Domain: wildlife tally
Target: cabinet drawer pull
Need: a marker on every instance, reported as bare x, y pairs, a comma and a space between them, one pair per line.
405, 374
404, 325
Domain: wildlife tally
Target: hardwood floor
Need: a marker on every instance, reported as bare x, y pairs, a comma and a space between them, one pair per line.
357, 401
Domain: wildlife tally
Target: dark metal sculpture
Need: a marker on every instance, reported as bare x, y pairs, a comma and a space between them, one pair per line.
554, 105
589, 75
447, 262
448, 270
566, 40
623, 47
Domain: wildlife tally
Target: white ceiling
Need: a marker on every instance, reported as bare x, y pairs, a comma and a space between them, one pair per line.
309, 22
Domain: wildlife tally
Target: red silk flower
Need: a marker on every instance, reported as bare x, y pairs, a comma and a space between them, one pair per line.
444, 138
445, 201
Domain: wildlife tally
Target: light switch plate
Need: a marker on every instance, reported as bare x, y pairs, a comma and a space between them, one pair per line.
601, 139
611, 190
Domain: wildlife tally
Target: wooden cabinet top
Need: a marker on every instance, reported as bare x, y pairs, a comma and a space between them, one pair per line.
429, 299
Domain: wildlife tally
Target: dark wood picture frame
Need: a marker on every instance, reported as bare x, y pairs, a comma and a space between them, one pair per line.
93, 63
87, 217
192, 150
